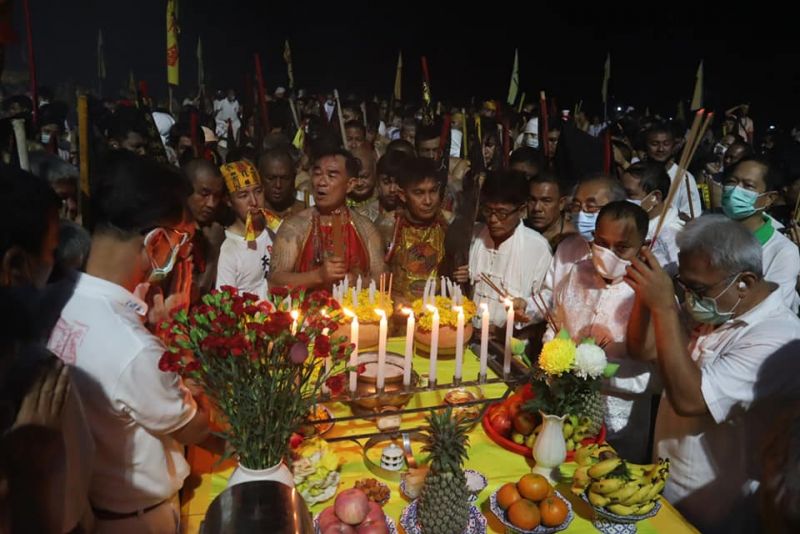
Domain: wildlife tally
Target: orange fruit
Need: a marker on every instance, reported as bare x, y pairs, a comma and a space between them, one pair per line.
553, 511
507, 495
552, 492
534, 487
524, 514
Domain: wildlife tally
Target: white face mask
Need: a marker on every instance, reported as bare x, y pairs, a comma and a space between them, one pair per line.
45, 138
608, 264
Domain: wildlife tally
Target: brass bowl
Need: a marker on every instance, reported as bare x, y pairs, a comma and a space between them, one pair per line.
394, 392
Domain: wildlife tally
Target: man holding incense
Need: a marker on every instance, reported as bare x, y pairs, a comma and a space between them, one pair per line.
319, 246
660, 146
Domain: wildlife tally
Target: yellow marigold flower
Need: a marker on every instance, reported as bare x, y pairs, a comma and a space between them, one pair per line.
557, 356
365, 308
447, 315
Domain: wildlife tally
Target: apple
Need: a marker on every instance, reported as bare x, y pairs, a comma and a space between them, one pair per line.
351, 506
339, 528
375, 512
501, 422
373, 527
524, 423
327, 517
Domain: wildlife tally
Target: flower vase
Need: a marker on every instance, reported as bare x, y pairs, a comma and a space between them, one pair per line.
278, 473
550, 448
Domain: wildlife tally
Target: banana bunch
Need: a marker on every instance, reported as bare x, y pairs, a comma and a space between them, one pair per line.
621, 487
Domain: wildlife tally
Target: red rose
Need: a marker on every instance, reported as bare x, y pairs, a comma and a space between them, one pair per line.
336, 384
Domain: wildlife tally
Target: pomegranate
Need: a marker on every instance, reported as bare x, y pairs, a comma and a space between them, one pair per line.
351, 506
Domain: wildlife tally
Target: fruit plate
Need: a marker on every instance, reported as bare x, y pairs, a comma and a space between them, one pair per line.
321, 412
410, 522
509, 445
390, 525
610, 523
476, 483
541, 529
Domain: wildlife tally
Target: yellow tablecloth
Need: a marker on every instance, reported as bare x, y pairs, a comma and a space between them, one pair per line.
498, 465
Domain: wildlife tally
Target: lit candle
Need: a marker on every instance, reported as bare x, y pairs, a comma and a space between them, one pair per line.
295, 315
409, 346
382, 333
354, 354
509, 335
484, 356
327, 362
459, 343
434, 344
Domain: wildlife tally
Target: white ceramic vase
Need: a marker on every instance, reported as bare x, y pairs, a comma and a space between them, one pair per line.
550, 449
279, 473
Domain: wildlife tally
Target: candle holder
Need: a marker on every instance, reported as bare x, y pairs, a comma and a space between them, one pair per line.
367, 398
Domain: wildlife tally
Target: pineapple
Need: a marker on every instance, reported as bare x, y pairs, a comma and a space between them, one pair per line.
591, 405
443, 506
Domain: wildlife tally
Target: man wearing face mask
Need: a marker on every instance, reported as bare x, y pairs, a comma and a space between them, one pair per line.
711, 372
244, 257
749, 190
140, 416
647, 185
592, 300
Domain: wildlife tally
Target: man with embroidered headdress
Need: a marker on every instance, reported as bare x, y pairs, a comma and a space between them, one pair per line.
319, 246
244, 257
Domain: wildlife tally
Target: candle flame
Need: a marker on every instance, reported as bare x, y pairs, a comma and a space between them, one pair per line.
380, 313
458, 309
407, 311
484, 307
295, 314
508, 302
348, 313
432, 308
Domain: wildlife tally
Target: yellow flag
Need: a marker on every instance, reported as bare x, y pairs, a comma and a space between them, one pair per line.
299, 139
513, 86
606, 77
287, 57
172, 42
398, 78
697, 96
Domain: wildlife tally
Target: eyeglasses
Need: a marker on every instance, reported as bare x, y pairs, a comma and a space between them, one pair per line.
697, 293
501, 215
590, 207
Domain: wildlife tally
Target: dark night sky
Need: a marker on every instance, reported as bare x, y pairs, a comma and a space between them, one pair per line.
655, 48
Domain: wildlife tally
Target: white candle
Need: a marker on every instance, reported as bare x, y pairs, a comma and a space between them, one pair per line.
409, 346
434, 344
509, 335
382, 333
295, 315
459, 343
444, 287
327, 364
354, 298
354, 354
425, 292
346, 283
372, 292
484, 356
358, 284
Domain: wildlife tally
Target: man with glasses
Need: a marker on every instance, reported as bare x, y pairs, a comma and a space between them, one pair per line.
140, 417
749, 190
512, 255
712, 373
362, 198
244, 257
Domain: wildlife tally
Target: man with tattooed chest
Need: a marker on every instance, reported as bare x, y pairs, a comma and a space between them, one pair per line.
319, 246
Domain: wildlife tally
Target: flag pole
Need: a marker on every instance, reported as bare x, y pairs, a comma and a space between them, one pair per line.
31, 63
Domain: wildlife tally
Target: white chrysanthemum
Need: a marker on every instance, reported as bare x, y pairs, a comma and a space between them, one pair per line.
590, 361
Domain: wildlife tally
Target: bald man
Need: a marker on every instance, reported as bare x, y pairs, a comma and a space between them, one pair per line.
362, 198
277, 170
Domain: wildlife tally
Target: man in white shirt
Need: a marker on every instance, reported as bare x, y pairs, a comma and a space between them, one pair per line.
244, 257
660, 146
748, 192
227, 109
592, 300
647, 185
513, 256
709, 373
140, 416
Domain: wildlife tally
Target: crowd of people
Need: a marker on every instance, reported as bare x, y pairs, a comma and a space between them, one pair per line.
306, 190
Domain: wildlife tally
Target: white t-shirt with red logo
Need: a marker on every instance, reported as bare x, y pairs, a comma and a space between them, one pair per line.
131, 405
